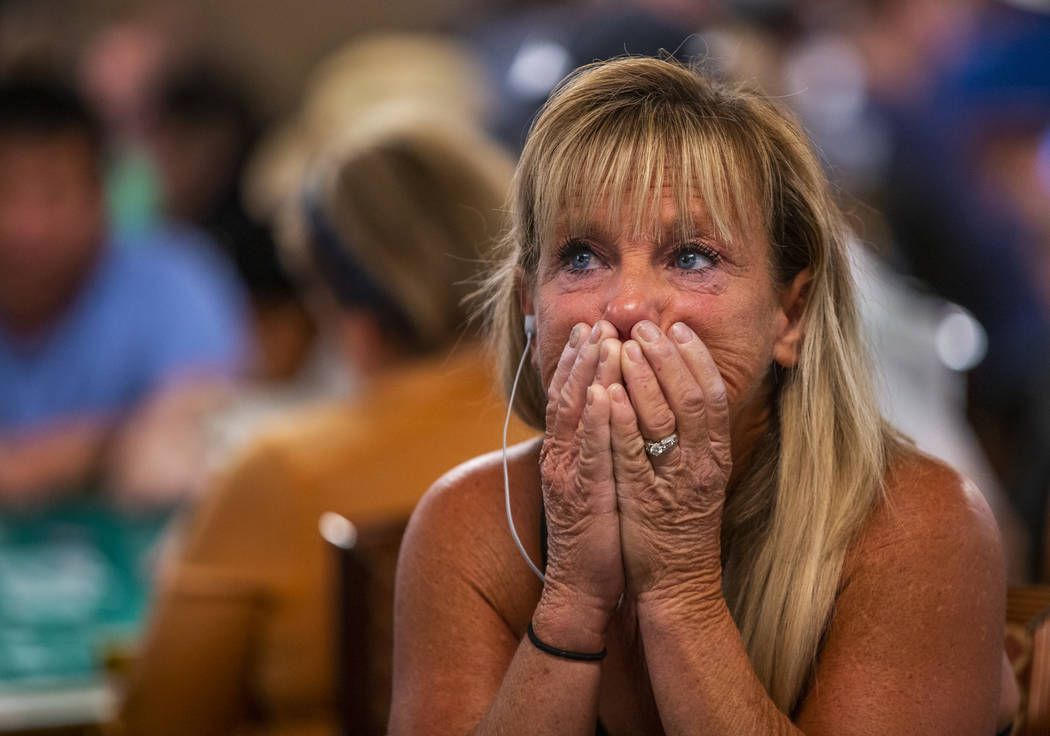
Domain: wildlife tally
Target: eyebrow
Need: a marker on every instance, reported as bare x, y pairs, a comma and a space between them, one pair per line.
680, 228
691, 225
696, 228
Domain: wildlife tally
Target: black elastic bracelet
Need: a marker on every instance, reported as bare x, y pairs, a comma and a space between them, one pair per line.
565, 653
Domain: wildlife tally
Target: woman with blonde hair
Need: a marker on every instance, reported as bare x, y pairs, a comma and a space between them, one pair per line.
726, 536
393, 226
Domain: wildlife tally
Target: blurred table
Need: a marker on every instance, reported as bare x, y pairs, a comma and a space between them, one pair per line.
74, 586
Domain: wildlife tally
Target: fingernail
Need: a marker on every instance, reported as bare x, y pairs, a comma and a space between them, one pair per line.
596, 333
617, 394
603, 352
634, 353
681, 332
648, 331
590, 395
574, 336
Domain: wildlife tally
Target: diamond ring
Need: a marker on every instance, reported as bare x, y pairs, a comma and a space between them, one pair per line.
656, 448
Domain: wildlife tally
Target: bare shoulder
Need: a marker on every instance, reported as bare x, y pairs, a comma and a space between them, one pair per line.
459, 527
471, 495
462, 592
918, 619
928, 507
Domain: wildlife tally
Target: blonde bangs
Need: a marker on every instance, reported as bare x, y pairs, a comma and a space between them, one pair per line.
615, 165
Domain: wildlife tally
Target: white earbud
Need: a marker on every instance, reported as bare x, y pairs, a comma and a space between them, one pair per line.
530, 325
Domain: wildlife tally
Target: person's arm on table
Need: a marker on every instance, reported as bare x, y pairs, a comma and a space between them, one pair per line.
51, 461
158, 456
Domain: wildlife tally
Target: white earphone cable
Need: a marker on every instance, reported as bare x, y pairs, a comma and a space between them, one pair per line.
506, 474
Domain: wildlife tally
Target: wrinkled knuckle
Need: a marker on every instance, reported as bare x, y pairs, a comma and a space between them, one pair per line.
718, 396
693, 401
553, 395
663, 424
564, 412
545, 448
711, 475
566, 396
635, 469
722, 453
635, 454
661, 349
590, 470
547, 464
672, 462
551, 417
552, 456
637, 474
635, 450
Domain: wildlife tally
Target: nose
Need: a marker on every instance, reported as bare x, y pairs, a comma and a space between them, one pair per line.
633, 296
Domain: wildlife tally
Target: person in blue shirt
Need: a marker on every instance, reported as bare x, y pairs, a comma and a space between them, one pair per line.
94, 335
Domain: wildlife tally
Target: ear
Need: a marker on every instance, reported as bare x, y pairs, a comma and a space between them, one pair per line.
789, 325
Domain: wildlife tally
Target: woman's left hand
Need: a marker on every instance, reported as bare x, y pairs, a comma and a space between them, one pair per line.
670, 505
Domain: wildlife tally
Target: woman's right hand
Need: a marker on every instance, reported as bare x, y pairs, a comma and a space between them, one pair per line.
584, 565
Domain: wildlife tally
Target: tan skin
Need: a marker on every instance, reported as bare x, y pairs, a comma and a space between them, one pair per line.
689, 330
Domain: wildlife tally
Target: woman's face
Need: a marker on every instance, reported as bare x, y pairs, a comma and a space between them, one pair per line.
726, 294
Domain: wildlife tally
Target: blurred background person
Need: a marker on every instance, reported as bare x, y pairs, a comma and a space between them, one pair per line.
115, 72
180, 124
201, 125
967, 201
433, 70
857, 73
929, 114
349, 82
392, 224
93, 336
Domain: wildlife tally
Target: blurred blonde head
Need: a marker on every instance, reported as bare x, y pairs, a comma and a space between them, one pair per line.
413, 205
420, 70
615, 133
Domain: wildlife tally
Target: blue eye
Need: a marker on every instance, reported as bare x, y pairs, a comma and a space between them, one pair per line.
693, 258
580, 259
577, 256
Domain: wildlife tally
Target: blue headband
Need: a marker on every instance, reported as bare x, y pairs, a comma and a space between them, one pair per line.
348, 281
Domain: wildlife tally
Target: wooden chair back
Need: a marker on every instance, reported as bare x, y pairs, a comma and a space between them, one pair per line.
366, 562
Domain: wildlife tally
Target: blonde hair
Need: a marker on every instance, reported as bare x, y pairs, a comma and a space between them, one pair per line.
612, 133
415, 202
430, 70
